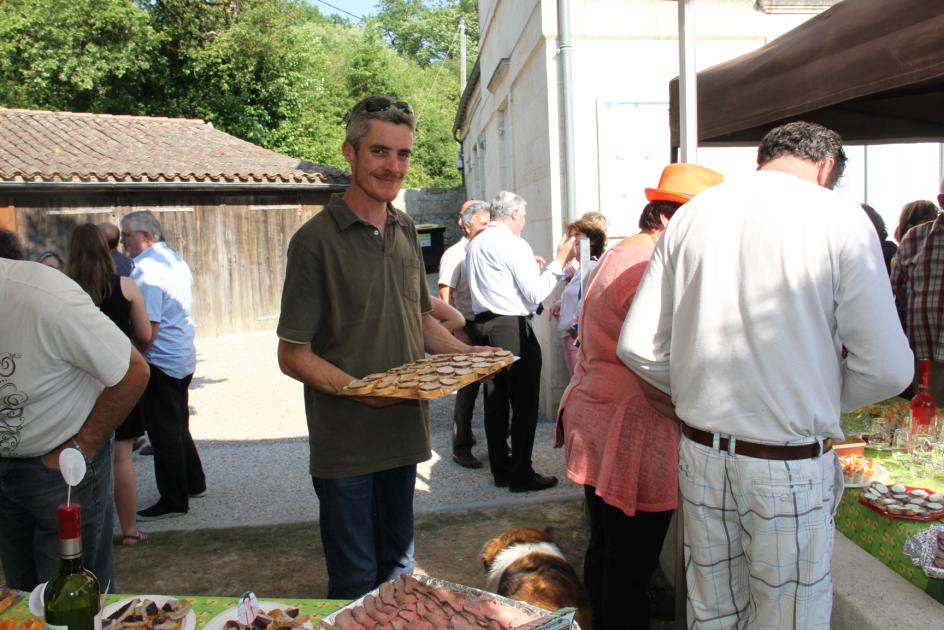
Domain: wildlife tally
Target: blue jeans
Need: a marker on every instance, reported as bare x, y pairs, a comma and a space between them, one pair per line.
29, 539
366, 529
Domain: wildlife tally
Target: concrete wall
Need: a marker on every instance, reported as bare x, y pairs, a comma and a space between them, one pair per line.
434, 205
625, 53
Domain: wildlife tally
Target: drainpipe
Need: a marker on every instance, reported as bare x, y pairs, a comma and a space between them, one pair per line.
565, 50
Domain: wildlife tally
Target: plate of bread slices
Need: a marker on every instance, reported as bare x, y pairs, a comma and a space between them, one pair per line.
431, 377
149, 612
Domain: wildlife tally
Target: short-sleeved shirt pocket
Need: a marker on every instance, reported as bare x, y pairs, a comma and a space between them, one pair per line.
411, 280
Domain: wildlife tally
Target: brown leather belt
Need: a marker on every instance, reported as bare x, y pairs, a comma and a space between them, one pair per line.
760, 451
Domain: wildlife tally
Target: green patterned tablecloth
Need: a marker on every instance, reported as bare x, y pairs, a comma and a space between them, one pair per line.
208, 607
884, 537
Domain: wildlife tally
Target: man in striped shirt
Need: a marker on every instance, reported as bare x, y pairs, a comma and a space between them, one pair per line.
918, 282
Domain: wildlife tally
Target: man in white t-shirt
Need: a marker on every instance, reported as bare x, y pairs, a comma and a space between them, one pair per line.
68, 377
764, 312
454, 289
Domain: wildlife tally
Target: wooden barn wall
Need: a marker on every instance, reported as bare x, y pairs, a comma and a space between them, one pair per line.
235, 243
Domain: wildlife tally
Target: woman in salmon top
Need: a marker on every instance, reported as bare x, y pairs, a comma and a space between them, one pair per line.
617, 445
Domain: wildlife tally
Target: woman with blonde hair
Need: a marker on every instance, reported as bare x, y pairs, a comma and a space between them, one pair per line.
90, 264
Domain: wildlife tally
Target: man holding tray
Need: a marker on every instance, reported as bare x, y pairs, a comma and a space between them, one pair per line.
355, 302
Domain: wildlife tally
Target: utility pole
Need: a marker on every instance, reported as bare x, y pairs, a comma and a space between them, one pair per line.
462, 62
460, 161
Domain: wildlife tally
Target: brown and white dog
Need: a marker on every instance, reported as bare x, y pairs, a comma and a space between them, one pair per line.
525, 564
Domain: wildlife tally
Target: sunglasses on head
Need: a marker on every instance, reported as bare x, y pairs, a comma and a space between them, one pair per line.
376, 104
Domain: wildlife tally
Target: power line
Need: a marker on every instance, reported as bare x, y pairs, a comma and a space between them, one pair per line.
356, 17
437, 73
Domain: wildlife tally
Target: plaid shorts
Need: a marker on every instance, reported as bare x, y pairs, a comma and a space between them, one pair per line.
758, 538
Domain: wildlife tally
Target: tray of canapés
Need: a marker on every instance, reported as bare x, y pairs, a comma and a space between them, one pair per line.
906, 502
432, 376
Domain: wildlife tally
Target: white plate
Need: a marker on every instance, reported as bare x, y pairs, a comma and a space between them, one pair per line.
189, 622
220, 620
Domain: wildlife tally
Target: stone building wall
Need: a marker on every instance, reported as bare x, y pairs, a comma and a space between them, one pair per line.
434, 205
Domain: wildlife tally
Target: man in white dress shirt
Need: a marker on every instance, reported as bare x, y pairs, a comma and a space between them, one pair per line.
764, 311
507, 286
454, 290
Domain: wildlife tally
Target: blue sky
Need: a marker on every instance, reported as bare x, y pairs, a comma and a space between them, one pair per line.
344, 8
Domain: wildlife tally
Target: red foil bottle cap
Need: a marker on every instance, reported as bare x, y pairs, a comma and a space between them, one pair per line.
70, 521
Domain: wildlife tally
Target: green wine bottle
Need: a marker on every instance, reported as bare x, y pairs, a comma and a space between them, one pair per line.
72, 599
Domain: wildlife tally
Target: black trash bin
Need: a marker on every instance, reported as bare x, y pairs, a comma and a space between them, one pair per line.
431, 241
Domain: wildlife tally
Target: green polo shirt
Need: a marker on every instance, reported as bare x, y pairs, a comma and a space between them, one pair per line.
358, 298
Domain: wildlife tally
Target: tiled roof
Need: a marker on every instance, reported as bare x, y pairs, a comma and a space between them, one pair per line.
40, 146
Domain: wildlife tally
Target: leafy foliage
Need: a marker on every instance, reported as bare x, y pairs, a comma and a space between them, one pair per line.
73, 54
274, 72
428, 35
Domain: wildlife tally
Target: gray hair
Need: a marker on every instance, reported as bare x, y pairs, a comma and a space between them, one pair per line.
468, 215
505, 203
144, 221
382, 108
807, 141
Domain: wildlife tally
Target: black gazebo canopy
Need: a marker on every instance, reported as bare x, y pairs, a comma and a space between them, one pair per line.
873, 70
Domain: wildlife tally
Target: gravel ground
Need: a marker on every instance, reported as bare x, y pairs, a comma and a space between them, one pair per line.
248, 421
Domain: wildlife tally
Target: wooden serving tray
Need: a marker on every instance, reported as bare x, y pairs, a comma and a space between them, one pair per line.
431, 377
934, 516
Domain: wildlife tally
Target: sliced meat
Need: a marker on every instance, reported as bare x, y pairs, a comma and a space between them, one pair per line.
438, 617
360, 616
450, 598
409, 584
375, 612
458, 622
345, 621
407, 615
387, 594
398, 589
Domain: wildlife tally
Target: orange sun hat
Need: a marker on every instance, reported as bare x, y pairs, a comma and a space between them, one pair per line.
681, 182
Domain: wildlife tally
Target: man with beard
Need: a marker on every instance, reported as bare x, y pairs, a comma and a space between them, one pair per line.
355, 301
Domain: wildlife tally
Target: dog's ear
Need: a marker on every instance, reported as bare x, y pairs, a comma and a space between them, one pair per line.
490, 550
549, 533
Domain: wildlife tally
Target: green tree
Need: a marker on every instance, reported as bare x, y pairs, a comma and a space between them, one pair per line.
427, 31
275, 72
79, 55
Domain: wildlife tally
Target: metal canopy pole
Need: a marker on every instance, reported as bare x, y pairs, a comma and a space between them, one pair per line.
688, 86
688, 145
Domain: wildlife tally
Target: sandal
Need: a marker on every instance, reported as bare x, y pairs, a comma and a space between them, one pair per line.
138, 538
